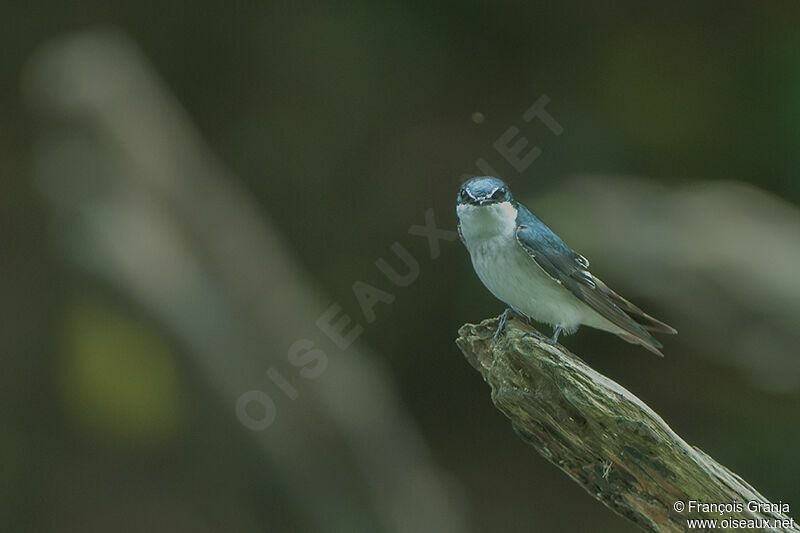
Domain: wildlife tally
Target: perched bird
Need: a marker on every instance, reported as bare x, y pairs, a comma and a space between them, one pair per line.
528, 267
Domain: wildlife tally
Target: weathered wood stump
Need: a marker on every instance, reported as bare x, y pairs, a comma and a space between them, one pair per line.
606, 439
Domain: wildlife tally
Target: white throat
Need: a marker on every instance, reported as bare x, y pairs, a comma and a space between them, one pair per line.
481, 222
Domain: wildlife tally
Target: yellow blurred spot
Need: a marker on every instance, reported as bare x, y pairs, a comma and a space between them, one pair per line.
117, 375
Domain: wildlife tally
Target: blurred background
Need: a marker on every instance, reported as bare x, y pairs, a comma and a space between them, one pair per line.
188, 190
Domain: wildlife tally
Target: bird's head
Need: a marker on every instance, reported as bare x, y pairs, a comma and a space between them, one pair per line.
484, 191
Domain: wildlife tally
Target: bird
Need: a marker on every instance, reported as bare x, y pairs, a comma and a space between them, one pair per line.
527, 266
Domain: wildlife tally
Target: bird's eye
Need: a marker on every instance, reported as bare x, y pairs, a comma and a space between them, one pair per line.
464, 196
499, 194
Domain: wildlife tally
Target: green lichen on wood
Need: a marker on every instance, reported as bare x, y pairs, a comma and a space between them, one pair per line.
601, 435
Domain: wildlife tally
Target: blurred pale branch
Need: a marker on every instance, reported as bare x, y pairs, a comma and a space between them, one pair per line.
140, 202
602, 436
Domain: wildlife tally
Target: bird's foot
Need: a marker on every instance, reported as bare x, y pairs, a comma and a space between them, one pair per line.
503, 319
536, 335
558, 330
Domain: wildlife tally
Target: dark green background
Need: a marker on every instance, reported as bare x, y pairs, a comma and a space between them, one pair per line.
346, 122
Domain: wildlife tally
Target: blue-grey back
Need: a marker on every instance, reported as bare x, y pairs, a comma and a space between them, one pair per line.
542, 237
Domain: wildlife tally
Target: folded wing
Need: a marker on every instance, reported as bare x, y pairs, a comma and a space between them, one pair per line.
570, 269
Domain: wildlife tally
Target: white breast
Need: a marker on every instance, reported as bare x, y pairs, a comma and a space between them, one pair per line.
507, 270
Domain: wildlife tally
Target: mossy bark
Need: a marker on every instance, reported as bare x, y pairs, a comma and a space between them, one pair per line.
602, 436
